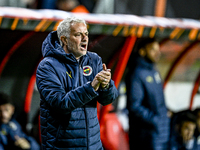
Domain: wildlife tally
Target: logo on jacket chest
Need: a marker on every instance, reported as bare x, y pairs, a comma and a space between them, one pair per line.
69, 74
149, 79
156, 78
3, 132
87, 70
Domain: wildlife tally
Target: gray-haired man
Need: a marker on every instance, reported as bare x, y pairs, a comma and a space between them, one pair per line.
70, 80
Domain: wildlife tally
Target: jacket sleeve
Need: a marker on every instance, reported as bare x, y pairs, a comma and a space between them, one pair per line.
107, 96
1, 142
21, 134
53, 93
1, 146
136, 95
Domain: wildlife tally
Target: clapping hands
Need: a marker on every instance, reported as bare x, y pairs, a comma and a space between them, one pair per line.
102, 78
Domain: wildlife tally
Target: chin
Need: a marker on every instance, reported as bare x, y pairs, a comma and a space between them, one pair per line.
84, 53
80, 55
5, 122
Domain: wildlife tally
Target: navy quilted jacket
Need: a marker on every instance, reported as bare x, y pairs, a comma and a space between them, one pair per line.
148, 119
68, 110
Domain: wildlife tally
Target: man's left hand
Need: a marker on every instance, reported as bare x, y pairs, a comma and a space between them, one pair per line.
104, 76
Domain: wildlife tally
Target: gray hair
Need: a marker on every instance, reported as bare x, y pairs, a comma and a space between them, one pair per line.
64, 27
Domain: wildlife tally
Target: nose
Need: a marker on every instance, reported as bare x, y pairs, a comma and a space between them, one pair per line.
84, 37
190, 134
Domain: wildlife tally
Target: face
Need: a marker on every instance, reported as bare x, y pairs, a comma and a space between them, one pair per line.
187, 130
6, 112
78, 40
153, 52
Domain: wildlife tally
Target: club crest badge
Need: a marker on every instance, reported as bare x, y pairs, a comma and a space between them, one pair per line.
87, 70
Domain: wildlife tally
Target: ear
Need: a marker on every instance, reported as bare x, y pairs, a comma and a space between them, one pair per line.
63, 39
142, 52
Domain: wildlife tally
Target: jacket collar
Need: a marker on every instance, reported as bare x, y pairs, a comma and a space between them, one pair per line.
144, 63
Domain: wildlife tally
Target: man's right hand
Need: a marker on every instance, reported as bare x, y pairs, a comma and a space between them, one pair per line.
22, 143
95, 83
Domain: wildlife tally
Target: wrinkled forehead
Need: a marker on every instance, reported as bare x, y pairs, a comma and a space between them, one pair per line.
189, 124
78, 27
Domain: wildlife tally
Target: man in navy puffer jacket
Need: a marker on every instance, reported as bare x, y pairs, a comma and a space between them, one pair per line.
70, 81
149, 123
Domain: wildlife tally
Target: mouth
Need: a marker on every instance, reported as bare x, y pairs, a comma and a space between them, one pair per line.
83, 46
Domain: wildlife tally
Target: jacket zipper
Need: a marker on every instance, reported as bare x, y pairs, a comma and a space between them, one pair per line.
81, 83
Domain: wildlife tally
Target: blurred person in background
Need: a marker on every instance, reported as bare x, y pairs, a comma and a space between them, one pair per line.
149, 124
11, 135
71, 6
183, 137
53, 4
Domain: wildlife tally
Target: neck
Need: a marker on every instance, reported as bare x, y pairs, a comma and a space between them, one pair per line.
65, 49
147, 59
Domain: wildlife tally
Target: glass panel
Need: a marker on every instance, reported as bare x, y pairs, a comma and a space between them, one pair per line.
179, 88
